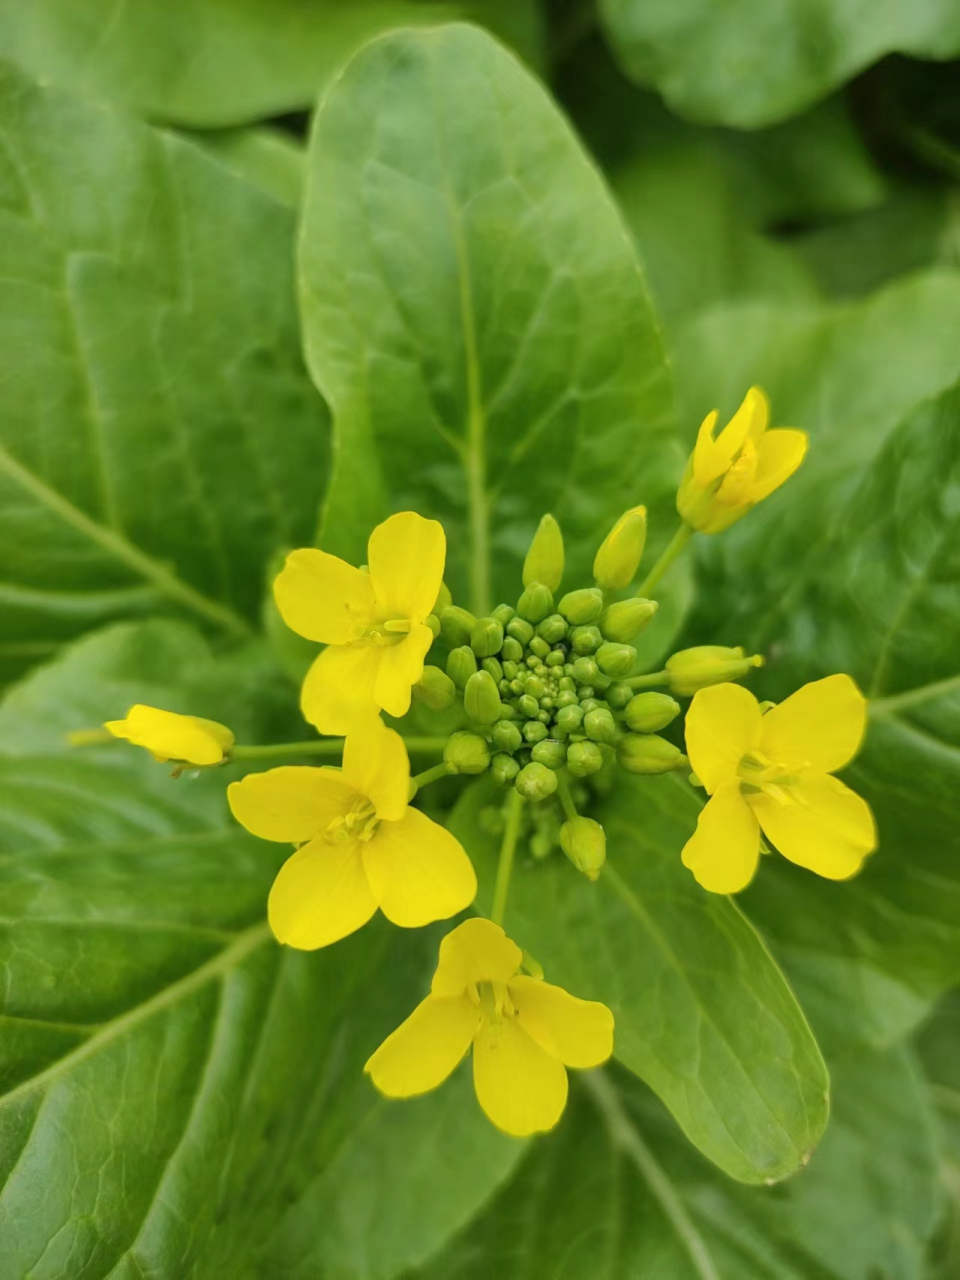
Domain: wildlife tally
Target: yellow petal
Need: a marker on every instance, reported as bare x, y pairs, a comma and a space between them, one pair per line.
748, 423
406, 555
779, 453
418, 871
173, 737
337, 694
423, 1051
724, 850
820, 726
401, 666
476, 951
708, 464
322, 597
376, 764
722, 724
320, 895
824, 827
578, 1032
292, 803
521, 1087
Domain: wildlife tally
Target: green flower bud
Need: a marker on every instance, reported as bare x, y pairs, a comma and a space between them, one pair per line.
466, 753
456, 625
552, 629
616, 659
550, 752
506, 736
503, 613
566, 698
618, 559
536, 782
583, 606
618, 695
504, 768
567, 682
443, 601
646, 753
461, 665
535, 603
509, 712
588, 702
569, 717
544, 717
693, 669
486, 637
584, 758
625, 620
534, 686
544, 562
648, 712
586, 640
493, 667
512, 650
529, 706
555, 658
435, 689
510, 669
600, 725
534, 731
539, 647
481, 699
522, 632
585, 671
585, 844
433, 622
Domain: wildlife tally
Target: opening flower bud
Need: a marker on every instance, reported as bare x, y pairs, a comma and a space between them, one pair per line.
693, 669
646, 753
435, 689
535, 603
481, 699
585, 844
456, 624
461, 665
466, 753
648, 712
618, 559
536, 782
550, 752
486, 637
600, 725
544, 562
625, 620
583, 606
506, 736
584, 758
504, 768
616, 659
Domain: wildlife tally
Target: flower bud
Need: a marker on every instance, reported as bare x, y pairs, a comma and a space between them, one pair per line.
433, 622
504, 768
544, 562
550, 752
539, 647
486, 637
528, 706
552, 629
625, 620
648, 712
584, 640
535, 731
481, 699
585, 671
618, 559
583, 606
506, 736
616, 659
646, 753
456, 624
512, 650
569, 717
693, 669
494, 668
600, 725
466, 753
585, 844
535, 603
536, 781
435, 689
444, 600
461, 665
521, 631
503, 613
619, 695
584, 758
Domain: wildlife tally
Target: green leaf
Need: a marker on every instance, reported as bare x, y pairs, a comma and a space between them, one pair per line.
618, 1192
175, 1087
939, 1047
231, 62
265, 157
702, 1012
739, 65
470, 300
160, 437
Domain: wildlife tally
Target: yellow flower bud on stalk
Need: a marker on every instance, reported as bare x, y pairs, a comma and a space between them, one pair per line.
621, 551
544, 562
169, 736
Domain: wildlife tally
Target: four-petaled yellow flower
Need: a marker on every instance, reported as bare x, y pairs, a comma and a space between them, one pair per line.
524, 1032
725, 477
363, 847
372, 620
772, 771
169, 736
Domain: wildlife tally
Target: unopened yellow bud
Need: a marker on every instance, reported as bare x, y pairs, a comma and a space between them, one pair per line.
585, 844
693, 669
616, 563
544, 562
169, 736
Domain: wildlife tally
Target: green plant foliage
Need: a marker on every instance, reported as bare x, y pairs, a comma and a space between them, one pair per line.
470, 298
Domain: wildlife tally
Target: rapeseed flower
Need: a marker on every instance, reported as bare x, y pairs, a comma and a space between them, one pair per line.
169, 736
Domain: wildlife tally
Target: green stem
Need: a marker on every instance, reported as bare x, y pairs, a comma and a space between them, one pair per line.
651, 681
670, 553
324, 747
566, 799
429, 775
880, 707
507, 849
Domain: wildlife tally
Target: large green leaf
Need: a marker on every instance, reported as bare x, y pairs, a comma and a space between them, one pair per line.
178, 1094
702, 1012
474, 313
160, 437
744, 65
221, 62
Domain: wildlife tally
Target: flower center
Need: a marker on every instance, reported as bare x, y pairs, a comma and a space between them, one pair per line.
758, 773
495, 1003
358, 823
388, 631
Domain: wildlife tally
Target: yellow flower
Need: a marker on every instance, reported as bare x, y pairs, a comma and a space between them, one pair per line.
725, 477
186, 739
362, 846
372, 621
524, 1032
772, 771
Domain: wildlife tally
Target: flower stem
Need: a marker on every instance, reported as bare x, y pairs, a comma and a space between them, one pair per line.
670, 553
429, 775
650, 681
324, 747
566, 799
507, 849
